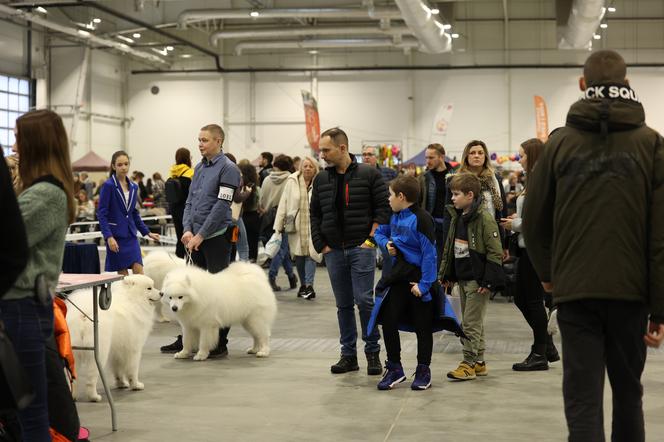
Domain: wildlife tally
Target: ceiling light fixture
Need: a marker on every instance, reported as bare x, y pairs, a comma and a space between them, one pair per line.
169, 48
123, 38
136, 35
597, 36
41, 10
455, 35
159, 51
83, 33
254, 14
313, 52
435, 11
611, 9
185, 55
96, 20
603, 26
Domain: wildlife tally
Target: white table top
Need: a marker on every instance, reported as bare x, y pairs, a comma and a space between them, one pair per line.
75, 281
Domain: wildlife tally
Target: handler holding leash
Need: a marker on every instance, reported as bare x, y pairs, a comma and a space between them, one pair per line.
207, 215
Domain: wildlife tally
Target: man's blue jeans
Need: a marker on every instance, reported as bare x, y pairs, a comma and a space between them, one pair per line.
306, 268
28, 324
352, 277
282, 257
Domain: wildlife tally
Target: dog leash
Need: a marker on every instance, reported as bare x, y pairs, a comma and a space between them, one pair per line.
188, 259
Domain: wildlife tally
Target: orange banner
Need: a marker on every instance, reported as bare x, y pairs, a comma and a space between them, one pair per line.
541, 119
311, 119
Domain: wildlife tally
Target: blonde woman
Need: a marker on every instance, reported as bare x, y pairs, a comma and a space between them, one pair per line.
293, 219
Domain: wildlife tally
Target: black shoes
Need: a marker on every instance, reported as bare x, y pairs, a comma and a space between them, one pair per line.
551, 351
309, 293
346, 364
174, 347
292, 279
218, 352
374, 366
534, 362
303, 289
275, 287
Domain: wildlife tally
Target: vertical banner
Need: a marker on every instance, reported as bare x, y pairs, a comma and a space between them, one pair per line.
541, 119
442, 120
311, 119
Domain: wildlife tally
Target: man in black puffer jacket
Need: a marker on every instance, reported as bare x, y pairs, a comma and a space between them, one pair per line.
348, 202
594, 225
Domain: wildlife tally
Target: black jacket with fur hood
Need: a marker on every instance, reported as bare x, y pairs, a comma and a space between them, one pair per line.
594, 216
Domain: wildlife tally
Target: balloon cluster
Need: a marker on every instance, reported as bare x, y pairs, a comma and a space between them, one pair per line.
504, 158
388, 154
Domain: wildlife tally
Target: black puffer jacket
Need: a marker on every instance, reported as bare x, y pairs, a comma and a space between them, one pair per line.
594, 216
365, 204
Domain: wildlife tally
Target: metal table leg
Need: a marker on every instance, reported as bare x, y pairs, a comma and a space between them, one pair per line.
107, 390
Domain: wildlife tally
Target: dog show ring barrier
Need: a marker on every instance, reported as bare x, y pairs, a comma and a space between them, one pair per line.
101, 298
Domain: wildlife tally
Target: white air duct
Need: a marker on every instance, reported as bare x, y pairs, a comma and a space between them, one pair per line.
249, 33
79, 34
405, 43
584, 18
425, 26
196, 15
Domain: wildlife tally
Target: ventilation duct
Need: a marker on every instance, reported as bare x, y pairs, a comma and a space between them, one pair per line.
425, 27
584, 18
80, 34
307, 31
405, 43
196, 15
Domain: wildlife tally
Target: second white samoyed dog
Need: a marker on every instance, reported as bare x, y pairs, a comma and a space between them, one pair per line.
123, 330
156, 266
203, 303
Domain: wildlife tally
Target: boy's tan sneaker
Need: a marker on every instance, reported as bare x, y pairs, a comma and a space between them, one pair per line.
464, 372
480, 368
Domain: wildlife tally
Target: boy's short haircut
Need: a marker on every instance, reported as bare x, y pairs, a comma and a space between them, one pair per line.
466, 183
408, 185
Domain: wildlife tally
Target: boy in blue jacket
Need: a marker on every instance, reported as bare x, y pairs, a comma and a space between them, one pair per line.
410, 241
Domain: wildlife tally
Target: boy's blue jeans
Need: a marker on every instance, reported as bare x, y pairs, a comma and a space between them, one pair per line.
306, 268
28, 324
352, 277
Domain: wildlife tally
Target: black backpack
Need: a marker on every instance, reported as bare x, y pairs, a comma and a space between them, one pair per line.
174, 192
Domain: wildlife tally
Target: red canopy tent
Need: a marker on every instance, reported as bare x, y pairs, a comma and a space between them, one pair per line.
91, 162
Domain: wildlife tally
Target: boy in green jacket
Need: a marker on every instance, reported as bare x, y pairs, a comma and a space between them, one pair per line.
472, 256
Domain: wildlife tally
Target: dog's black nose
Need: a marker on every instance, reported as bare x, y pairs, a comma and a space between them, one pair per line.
174, 308
161, 294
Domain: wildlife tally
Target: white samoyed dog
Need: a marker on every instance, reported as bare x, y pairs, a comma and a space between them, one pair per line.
156, 265
203, 303
123, 330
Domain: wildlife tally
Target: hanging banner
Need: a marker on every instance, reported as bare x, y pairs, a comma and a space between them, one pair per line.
311, 119
541, 119
442, 121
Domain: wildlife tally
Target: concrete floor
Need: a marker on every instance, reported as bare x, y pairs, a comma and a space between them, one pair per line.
292, 396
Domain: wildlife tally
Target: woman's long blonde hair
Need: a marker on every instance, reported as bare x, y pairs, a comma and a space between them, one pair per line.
487, 168
43, 149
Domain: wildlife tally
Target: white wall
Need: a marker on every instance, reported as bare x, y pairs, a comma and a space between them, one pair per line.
12, 49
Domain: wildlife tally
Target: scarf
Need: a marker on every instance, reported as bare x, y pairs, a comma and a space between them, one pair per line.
489, 183
303, 231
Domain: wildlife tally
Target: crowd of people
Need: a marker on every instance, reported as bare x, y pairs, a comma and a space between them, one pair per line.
439, 230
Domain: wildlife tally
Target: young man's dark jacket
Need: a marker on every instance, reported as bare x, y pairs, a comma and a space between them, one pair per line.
484, 245
428, 189
365, 203
594, 216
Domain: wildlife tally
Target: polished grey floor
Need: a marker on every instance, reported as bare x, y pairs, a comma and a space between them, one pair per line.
292, 396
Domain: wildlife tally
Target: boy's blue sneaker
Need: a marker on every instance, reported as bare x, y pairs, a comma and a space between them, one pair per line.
422, 378
393, 375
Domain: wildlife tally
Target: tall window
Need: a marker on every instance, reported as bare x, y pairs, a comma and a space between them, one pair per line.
14, 102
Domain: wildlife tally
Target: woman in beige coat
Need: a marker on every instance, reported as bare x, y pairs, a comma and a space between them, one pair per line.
293, 219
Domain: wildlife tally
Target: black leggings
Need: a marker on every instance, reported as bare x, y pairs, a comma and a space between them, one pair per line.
529, 299
401, 303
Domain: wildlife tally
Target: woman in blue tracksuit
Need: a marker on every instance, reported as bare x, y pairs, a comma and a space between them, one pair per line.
119, 219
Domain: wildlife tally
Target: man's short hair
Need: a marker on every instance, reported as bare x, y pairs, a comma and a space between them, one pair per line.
337, 136
604, 66
284, 163
268, 156
215, 130
466, 183
408, 185
438, 148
